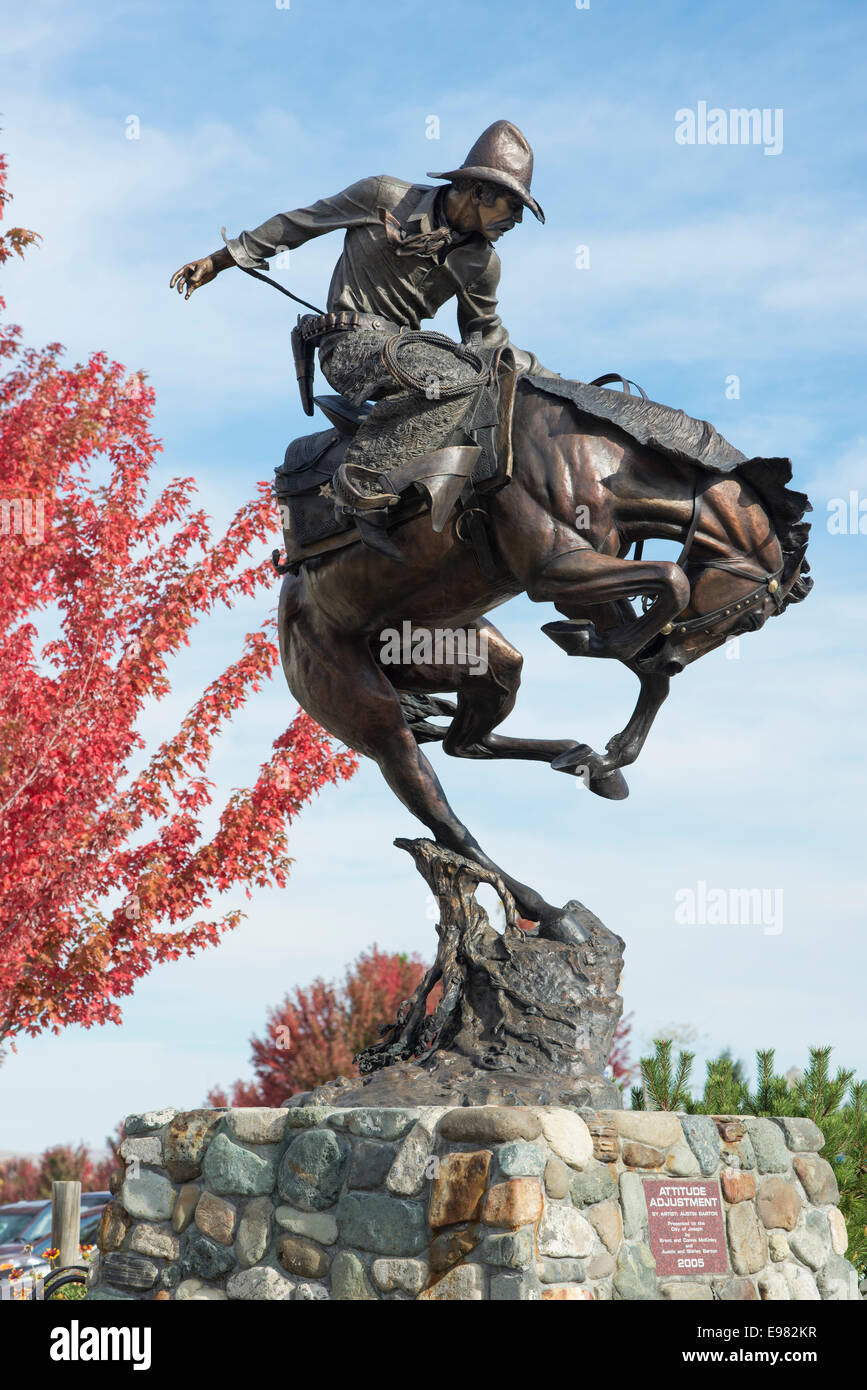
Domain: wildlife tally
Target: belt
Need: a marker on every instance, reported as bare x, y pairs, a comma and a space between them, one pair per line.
318, 325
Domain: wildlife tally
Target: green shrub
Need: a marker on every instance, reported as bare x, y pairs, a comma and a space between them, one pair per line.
837, 1104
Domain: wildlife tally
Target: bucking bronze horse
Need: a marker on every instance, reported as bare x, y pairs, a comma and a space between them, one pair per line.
582, 493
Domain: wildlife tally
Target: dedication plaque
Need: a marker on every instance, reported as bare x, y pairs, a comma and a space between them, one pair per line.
687, 1235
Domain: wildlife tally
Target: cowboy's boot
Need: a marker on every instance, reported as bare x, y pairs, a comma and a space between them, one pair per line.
359, 494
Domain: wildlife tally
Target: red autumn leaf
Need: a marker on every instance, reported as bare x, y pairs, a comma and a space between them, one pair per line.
104, 870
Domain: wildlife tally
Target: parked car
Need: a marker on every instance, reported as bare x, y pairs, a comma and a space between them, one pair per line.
30, 1223
15, 1217
32, 1259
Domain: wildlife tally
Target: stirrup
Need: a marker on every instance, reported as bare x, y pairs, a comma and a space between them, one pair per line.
373, 501
348, 491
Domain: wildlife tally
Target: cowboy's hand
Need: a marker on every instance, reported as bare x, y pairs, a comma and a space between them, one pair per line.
196, 273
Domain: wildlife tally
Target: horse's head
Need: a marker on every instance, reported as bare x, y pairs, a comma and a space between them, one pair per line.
736, 590
742, 606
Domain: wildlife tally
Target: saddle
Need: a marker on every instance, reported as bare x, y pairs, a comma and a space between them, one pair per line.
449, 479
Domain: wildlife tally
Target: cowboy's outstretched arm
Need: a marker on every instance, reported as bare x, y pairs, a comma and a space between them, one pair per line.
285, 231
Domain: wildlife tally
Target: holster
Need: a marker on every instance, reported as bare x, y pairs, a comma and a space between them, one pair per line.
304, 355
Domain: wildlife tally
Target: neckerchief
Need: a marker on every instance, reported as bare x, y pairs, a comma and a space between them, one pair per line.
432, 244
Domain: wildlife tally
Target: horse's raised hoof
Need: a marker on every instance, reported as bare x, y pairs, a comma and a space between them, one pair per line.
565, 927
574, 638
579, 762
613, 786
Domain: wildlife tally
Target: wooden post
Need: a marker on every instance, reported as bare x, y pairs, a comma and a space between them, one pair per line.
66, 1221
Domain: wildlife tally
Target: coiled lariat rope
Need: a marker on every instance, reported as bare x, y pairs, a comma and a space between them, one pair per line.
444, 390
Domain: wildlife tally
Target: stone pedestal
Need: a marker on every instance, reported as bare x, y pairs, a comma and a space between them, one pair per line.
471, 1203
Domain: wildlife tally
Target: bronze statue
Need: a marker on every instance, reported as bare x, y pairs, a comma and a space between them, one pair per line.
506, 479
408, 249
744, 544
518, 1024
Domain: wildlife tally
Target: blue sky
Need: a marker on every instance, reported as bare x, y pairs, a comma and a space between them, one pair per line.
705, 261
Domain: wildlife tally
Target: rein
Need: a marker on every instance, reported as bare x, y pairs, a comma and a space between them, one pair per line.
266, 280
705, 621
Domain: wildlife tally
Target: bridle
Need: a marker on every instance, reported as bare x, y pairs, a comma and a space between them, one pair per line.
768, 584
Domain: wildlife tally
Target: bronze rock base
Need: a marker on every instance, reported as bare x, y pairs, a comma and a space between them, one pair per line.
525, 1017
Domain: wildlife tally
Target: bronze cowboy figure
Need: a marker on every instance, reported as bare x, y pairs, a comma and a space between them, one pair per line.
408, 249
553, 482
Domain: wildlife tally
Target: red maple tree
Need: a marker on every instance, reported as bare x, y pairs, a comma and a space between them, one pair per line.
314, 1034
102, 865
29, 1179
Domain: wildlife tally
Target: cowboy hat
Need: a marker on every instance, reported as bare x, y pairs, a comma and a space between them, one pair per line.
501, 155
